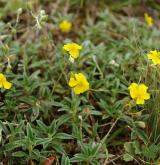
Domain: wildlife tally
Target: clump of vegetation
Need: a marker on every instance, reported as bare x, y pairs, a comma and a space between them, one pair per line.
79, 82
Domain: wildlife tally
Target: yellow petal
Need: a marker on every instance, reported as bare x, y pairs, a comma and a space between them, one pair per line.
65, 26
148, 19
77, 46
133, 94
133, 86
133, 90
80, 77
72, 82
74, 53
154, 56
66, 47
2, 77
7, 85
146, 96
143, 87
80, 83
139, 101
78, 90
85, 86
150, 56
72, 47
81, 88
156, 61
1, 84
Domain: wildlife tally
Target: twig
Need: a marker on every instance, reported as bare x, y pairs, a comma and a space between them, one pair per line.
105, 137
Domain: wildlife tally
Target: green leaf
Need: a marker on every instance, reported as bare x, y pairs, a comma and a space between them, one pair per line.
35, 113
142, 135
78, 158
127, 157
63, 136
19, 154
29, 131
136, 147
12, 146
58, 148
95, 162
65, 160
63, 119
42, 126
43, 141
129, 147
151, 152
94, 112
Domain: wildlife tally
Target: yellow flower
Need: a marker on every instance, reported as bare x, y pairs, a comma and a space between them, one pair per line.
65, 26
79, 82
73, 49
148, 19
154, 56
4, 83
138, 92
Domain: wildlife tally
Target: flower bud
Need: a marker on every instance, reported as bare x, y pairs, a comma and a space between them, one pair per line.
19, 11
42, 12
141, 124
71, 59
80, 117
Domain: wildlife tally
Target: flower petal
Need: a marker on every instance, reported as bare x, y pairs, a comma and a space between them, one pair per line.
1, 84
78, 90
2, 77
72, 82
133, 90
150, 56
143, 87
74, 53
146, 96
7, 85
78, 46
67, 47
65, 26
139, 101
133, 86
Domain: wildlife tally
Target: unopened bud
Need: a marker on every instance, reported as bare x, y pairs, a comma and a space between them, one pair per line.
141, 124
80, 117
71, 59
19, 11
113, 62
42, 12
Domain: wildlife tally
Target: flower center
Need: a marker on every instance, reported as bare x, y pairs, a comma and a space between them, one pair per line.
80, 83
